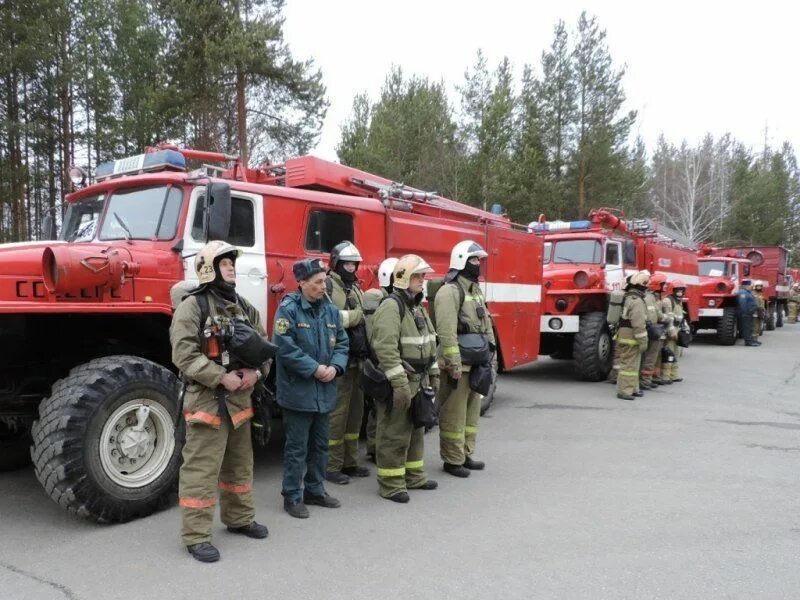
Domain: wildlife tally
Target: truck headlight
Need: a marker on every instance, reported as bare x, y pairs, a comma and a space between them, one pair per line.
712, 302
555, 323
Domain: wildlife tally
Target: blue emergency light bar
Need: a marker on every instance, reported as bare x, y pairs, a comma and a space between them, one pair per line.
141, 163
559, 225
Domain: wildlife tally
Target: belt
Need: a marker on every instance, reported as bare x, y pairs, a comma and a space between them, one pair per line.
625, 323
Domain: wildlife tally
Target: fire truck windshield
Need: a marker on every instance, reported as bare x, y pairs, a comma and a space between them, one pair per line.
142, 213
712, 268
578, 251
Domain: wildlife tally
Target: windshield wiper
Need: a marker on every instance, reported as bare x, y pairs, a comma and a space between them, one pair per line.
128, 234
565, 258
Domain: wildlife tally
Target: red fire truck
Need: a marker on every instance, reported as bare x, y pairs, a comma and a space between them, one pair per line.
720, 278
583, 262
84, 319
770, 265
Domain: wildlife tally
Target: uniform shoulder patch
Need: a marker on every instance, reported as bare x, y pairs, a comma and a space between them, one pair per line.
282, 325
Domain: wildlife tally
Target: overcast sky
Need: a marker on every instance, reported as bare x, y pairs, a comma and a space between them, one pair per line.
692, 67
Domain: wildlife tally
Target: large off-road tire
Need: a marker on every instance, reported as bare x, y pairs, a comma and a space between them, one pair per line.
727, 327
487, 400
88, 450
592, 348
779, 315
769, 322
14, 447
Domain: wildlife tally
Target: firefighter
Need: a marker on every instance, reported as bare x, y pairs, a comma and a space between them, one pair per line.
761, 309
217, 406
655, 322
312, 352
460, 308
372, 299
794, 302
745, 309
664, 321
673, 308
612, 374
346, 418
632, 336
404, 343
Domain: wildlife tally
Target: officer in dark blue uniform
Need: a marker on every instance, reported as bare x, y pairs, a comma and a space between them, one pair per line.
312, 352
746, 307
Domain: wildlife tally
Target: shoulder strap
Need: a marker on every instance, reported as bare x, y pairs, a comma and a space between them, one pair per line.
401, 306
202, 302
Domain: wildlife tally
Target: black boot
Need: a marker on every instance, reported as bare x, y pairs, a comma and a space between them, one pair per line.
295, 508
638, 394
356, 471
326, 501
474, 465
428, 485
401, 497
254, 530
457, 470
337, 477
622, 396
204, 552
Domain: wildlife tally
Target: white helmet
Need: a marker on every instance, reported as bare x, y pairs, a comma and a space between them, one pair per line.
406, 266
385, 272
204, 260
641, 278
463, 251
344, 252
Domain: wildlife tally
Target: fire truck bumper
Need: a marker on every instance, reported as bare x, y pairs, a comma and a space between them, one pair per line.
710, 312
561, 324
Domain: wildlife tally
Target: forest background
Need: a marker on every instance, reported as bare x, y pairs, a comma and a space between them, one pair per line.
97, 80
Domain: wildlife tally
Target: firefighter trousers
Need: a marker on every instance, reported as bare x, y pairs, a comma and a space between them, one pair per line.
400, 450
345, 422
459, 413
614, 372
792, 306
650, 360
669, 371
372, 428
757, 327
630, 360
215, 461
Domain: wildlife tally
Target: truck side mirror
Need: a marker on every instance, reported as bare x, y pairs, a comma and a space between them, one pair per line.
218, 211
49, 231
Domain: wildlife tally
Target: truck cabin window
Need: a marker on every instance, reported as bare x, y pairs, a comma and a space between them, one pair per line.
142, 214
80, 220
327, 228
548, 248
712, 268
242, 231
578, 251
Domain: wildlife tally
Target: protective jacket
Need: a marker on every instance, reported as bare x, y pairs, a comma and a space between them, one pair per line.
371, 301
202, 375
411, 339
340, 294
673, 310
633, 322
307, 335
453, 318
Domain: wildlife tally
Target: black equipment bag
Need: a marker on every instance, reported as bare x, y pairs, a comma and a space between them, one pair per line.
423, 408
667, 355
480, 378
374, 381
248, 347
684, 338
474, 348
654, 331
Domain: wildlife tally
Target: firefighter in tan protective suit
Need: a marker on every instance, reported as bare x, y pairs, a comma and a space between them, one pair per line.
761, 313
656, 319
460, 309
218, 454
794, 302
345, 420
631, 336
372, 300
672, 304
404, 343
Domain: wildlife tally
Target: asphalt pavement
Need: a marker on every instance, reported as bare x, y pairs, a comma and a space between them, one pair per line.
689, 492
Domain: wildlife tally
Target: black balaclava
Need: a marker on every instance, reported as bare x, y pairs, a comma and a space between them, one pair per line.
219, 285
347, 277
681, 290
472, 272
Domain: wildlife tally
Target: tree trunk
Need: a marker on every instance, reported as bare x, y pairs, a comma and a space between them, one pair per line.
241, 116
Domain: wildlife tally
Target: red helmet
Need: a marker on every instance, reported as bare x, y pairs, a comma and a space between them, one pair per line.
674, 285
657, 280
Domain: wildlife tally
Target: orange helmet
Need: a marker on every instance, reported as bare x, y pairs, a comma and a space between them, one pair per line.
657, 280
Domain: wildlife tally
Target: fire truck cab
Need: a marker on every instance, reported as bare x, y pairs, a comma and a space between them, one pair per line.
583, 262
720, 279
90, 385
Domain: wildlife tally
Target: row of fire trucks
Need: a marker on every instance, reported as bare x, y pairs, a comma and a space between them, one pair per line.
87, 387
